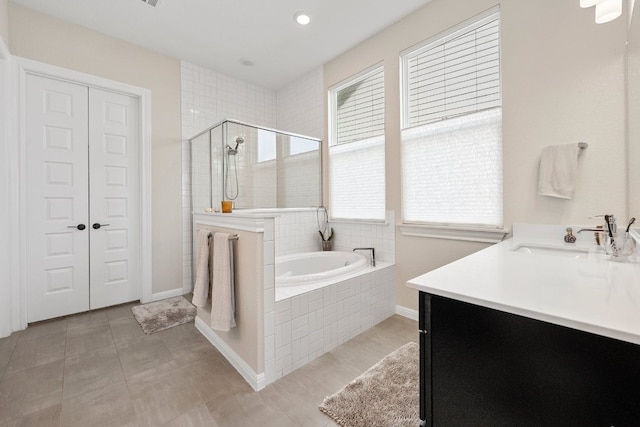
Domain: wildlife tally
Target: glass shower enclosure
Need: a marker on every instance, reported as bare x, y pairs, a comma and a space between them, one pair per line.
255, 167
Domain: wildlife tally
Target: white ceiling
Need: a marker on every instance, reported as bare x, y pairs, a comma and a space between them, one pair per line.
218, 33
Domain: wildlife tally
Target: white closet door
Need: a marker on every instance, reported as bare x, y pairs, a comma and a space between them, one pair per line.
115, 198
57, 248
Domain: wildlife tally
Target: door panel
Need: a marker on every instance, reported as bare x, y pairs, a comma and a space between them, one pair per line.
57, 198
114, 200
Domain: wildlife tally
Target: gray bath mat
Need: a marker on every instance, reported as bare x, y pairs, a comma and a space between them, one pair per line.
387, 394
160, 315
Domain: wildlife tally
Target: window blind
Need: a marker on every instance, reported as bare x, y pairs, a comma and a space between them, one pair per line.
356, 176
360, 109
357, 149
452, 171
452, 128
457, 75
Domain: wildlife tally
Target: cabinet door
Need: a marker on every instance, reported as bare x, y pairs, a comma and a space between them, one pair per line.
115, 198
57, 229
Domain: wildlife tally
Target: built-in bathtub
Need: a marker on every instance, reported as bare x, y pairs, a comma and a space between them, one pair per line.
297, 274
314, 267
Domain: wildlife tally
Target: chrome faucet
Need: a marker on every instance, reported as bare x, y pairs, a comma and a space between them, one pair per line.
373, 254
609, 228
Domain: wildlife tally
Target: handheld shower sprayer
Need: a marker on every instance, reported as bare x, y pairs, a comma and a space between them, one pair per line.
233, 151
229, 191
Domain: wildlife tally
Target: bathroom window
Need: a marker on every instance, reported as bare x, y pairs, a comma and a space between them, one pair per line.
356, 148
452, 127
266, 145
301, 145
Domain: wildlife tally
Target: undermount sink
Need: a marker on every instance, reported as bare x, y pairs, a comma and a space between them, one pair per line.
562, 251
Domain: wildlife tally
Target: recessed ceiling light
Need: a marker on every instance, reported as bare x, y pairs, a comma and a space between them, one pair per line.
246, 62
302, 18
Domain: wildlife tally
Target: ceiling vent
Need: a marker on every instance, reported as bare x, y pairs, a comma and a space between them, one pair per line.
151, 2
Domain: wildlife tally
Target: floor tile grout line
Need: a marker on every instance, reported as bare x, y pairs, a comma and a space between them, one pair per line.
4, 370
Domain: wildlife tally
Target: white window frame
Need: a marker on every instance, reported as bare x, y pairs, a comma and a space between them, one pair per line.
475, 233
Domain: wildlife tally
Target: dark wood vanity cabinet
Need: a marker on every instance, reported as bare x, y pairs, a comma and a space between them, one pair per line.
483, 367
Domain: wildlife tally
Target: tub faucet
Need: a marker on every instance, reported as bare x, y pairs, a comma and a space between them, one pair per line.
373, 254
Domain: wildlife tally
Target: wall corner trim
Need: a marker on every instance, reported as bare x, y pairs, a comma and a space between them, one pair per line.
256, 381
166, 294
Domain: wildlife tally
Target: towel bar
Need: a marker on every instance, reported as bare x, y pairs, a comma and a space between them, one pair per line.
231, 236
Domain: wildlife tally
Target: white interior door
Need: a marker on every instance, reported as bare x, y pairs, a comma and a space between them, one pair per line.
83, 198
114, 201
57, 236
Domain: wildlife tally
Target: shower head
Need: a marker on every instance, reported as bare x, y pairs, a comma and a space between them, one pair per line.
233, 151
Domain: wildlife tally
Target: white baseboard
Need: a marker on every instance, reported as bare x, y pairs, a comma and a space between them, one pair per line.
407, 312
167, 294
257, 381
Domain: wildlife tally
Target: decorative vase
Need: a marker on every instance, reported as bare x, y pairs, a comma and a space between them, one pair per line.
327, 245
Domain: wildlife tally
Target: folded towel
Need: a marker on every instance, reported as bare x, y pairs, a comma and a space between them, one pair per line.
201, 285
223, 304
558, 170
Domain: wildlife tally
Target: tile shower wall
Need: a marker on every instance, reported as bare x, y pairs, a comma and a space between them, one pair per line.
301, 105
208, 97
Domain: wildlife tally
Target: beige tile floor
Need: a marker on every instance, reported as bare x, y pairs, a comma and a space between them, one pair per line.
98, 369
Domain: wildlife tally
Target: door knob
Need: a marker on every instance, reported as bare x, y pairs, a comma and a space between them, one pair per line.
98, 225
79, 226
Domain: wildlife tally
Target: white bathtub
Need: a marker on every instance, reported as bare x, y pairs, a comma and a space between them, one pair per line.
315, 267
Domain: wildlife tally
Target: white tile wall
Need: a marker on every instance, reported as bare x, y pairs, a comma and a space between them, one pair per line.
270, 313
301, 105
296, 232
382, 237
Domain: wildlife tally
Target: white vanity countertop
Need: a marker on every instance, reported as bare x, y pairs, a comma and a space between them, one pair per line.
590, 294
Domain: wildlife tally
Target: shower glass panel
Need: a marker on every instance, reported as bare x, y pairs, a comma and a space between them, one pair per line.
255, 167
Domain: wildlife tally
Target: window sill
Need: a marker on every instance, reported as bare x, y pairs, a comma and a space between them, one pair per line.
469, 234
358, 221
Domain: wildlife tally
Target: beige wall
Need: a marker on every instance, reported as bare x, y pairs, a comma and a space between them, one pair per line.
633, 112
563, 82
247, 338
42, 38
4, 21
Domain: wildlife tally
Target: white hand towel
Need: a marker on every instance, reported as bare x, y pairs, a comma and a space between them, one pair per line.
223, 305
558, 170
201, 285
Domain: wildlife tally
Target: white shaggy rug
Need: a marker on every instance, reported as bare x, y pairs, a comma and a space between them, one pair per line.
160, 315
386, 395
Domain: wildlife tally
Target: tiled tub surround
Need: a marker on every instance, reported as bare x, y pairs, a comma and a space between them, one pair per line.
306, 326
299, 329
